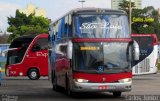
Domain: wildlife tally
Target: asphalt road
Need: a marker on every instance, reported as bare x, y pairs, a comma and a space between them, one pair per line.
23, 89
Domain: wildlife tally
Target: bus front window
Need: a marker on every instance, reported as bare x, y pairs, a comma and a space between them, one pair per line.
101, 26
16, 55
107, 58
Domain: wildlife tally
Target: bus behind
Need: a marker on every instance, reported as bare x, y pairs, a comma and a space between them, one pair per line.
28, 56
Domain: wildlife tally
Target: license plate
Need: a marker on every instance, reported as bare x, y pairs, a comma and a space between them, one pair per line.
103, 87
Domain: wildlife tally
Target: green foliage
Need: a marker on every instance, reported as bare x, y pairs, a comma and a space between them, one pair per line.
145, 30
125, 5
22, 24
143, 27
146, 27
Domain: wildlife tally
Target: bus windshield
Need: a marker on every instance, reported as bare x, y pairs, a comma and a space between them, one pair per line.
101, 26
145, 45
107, 58
19, 48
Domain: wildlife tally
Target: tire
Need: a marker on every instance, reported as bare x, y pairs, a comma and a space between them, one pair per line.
33, 74
54, 82
68, 89
117, 94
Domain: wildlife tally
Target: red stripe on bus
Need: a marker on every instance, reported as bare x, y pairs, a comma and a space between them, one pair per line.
99, 77
102, 40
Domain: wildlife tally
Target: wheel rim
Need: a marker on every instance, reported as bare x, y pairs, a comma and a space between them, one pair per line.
33, 74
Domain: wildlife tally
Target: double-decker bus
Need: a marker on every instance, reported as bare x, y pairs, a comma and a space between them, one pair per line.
28, 56
148, 45
91, 51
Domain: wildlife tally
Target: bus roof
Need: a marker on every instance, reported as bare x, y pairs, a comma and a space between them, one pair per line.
98, 10
147, 35
32, 36
91, 10
27, 36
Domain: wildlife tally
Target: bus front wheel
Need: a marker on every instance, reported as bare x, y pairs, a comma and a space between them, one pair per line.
117, 94
33, 74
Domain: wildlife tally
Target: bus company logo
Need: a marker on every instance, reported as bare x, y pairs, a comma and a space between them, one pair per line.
42, 54
103, 25
103, 79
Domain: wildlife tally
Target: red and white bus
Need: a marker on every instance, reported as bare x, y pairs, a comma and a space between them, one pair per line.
148, 45
28, 56
91, 51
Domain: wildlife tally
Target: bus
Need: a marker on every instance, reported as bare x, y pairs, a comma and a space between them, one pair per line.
3, 47
28, 56
90, 50
148, 44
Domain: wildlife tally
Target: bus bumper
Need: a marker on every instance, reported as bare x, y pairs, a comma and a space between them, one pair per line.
102, 87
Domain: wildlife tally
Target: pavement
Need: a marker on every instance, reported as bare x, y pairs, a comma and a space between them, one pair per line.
145, 88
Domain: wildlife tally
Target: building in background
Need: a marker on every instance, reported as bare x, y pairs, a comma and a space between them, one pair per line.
115, 3
32, 9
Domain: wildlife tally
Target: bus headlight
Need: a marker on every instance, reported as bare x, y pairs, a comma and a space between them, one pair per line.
81, 80
125, 80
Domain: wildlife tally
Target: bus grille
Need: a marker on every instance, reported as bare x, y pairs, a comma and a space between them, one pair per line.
143, 66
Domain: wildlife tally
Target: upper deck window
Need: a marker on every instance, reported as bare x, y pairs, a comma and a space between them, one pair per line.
101, 26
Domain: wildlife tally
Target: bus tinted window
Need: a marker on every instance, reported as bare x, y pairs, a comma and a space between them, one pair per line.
147, 40
145, 45
101, 26
21, 42
16, 56
41, 44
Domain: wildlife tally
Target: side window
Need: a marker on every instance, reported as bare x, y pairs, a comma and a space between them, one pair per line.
58, 27
62, 28
69, 25
41, 44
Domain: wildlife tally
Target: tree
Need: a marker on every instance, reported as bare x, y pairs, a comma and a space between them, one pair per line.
3, 38
124, 5
22, 24
146, 27
143, 27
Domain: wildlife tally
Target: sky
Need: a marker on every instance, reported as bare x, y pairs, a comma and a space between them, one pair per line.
55, 8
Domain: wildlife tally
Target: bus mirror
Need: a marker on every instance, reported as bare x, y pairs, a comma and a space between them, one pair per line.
136, 50
69, 50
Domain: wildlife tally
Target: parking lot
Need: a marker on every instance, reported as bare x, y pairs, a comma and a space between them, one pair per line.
23, 89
